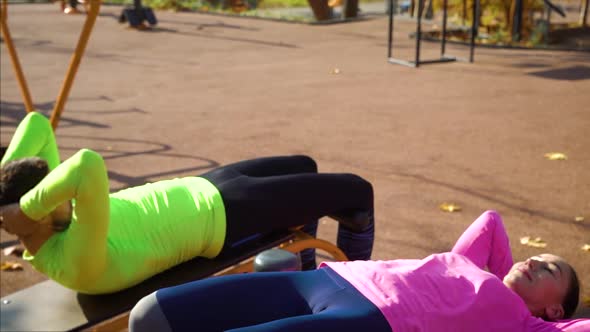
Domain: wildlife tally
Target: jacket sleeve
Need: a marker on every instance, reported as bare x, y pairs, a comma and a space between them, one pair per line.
82, 179
33, 137
567, 325
486, 244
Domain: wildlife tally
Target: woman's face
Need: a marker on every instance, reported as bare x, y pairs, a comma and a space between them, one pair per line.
13, 221
540, 281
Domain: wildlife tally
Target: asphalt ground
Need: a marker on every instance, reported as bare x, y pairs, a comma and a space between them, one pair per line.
205, 90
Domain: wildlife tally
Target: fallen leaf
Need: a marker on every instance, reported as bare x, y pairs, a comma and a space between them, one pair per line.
536, 242
579, 218
11, 266
555, 156
335, 71
586, 247
449, 207
14, 250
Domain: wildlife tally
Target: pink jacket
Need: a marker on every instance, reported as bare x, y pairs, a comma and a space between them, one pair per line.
451, 291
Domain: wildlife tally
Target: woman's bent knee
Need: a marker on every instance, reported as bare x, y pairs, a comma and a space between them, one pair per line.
307, 163
147, 315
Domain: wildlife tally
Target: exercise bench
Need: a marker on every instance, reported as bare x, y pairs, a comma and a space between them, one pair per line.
48, 306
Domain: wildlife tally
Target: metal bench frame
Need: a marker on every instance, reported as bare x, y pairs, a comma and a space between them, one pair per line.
443, 56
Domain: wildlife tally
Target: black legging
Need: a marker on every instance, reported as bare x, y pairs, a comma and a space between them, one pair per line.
271, 193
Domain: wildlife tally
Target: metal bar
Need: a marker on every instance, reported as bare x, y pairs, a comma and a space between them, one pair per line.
402, 62
457, 58
419, 31
473, 30
517, 19
75, 62
390, 36
444, 29
441, 60
20, 77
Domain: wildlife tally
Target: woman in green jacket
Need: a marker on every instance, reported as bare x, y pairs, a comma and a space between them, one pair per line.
94, 242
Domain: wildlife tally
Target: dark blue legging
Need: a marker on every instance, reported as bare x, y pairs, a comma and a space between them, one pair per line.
264, 194
318, 300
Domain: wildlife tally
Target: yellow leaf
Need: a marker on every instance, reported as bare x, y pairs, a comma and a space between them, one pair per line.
449, 207
11, 266
335, 71
579, 218
16, 250
525, 239
586, 247
555, 156
536, 242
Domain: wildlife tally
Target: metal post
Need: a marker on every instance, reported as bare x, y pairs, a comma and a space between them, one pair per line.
20, 77
444, 29
473, 29
547, 27
390, 37
517, 19
419, 31
75, 62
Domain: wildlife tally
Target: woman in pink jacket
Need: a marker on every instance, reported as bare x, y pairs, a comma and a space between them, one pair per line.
475, 287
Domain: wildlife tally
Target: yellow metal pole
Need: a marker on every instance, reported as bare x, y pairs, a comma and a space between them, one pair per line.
20, 77
75, 63
304, 241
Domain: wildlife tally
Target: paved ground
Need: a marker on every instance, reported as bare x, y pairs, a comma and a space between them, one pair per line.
202, 91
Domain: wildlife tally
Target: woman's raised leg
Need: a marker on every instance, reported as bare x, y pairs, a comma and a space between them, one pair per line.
261, 204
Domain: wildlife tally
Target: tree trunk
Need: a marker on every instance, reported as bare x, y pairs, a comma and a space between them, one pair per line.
320, 9
507, 6
464, 11
350, 8
428, 13
584, 13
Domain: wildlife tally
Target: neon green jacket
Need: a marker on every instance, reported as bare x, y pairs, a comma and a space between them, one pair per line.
114, 241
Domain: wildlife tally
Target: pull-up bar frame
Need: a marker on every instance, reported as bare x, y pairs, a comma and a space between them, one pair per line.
443, 56
22, 82
72, 69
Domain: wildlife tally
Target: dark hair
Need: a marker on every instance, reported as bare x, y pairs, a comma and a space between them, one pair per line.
19, 176
572, 296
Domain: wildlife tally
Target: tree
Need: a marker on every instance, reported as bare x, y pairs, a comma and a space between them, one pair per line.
584, 12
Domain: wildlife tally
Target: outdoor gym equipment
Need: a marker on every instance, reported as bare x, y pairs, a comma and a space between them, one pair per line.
443, 56
517, 22
72, 69
48, 306
136, 15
